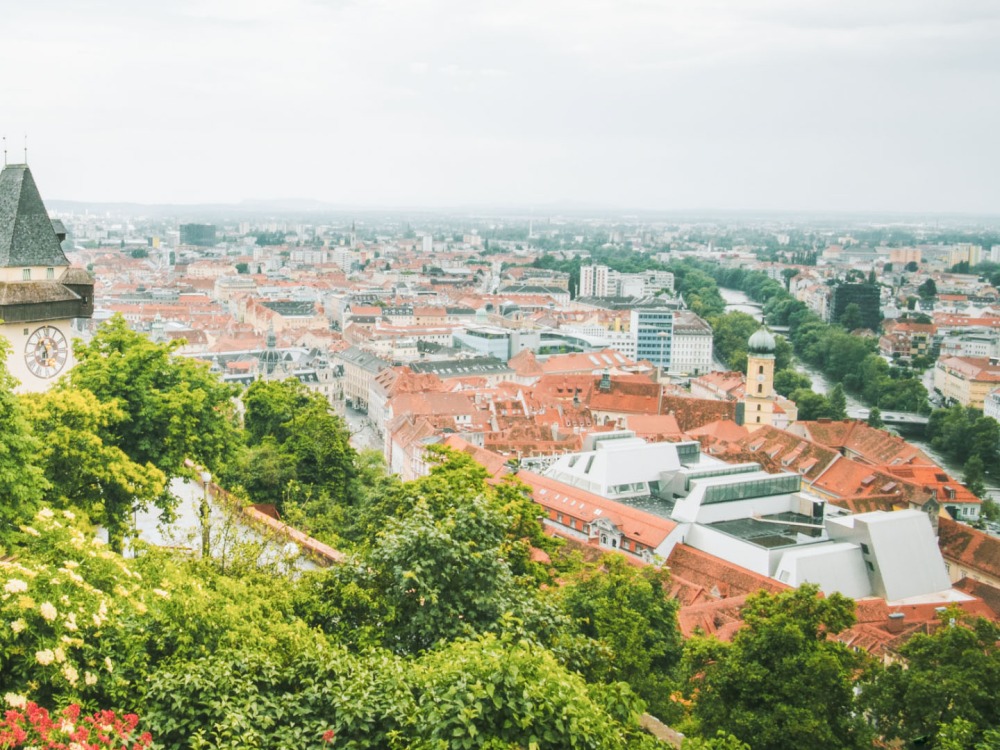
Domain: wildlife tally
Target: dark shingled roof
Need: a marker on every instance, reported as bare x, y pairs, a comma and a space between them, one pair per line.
27, 237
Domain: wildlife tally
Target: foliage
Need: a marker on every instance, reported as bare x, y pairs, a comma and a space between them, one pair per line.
34, 727
975, 476
875, 418
82, 470
730, 333
174, 408
838, 402
22, 481
964, 432
951, 675
787, 381
630, 611
298, 457
781, 683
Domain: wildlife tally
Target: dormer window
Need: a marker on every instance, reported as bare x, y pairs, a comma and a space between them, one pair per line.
50, 273
25, 274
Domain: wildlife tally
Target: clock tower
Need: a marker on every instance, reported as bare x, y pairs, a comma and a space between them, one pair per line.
759, 394
40, 293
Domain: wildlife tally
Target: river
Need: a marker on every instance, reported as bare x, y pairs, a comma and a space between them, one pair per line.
737, 301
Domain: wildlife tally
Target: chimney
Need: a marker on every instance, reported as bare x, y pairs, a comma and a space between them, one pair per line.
896, 622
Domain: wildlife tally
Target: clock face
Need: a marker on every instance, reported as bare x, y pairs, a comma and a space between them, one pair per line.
46, 352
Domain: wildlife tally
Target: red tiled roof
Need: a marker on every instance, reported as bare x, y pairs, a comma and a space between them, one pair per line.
637, 525
970, 547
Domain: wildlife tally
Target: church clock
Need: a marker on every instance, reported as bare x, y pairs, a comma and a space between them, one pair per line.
46, 352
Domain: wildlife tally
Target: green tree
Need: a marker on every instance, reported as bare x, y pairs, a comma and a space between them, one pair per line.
782, 683
837, 401
631, 611
787, 381
173, 407
82, 470
927, 290
875, 418
22, 480
851, 318
975, 476
950, 675
811, 405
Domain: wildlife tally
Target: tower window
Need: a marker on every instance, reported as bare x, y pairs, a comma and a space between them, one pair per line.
760, 369
25, 274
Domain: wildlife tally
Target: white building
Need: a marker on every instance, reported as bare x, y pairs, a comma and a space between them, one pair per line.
691, 351
645, 498
594, 281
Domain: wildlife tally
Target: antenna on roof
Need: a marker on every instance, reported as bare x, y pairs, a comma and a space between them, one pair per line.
26, 148
5, 151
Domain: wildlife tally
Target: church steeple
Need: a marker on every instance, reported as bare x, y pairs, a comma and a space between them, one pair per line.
759, 393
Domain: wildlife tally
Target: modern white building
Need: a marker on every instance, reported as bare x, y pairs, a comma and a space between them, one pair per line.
645, 498
594, 281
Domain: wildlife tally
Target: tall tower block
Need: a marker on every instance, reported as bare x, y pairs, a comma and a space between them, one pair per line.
40, 293
759, 398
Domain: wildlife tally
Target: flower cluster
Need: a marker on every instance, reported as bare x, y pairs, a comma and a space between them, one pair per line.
27, 724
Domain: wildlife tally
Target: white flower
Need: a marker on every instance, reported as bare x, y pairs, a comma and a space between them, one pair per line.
67, 726
97, 619
29, 530
45, 657
107, 664
71, 622
18, 625
45, 513
15, 701
15, 586
48, 611
71, 564
70, 673
161, 592
69, 514
59, 654
90, 678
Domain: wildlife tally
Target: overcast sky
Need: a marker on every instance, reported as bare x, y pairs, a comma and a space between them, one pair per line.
656, 104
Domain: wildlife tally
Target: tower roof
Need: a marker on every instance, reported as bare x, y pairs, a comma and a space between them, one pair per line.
761, 342
27, 237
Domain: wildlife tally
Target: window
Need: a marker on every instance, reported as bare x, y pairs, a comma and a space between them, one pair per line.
864, 549
760, 388
50, 273
760, 370
868, 564
25, 274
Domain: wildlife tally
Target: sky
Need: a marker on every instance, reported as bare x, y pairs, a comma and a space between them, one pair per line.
770, 105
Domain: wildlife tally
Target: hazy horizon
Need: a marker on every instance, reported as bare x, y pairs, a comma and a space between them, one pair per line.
612, 105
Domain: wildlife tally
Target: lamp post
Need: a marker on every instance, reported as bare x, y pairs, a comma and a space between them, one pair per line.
206, 478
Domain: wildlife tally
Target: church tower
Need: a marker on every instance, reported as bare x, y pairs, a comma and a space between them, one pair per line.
759, 397
40, 293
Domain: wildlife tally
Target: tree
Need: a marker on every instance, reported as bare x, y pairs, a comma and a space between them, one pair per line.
787, 381
22, 481
975, 476
837, 401
242, 268
875, 418
851, 318
630, 610
83, 471
782, 683
811, 405
951, 675
173, 407
927, 290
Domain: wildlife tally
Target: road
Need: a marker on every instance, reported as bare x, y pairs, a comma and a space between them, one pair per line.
363, 433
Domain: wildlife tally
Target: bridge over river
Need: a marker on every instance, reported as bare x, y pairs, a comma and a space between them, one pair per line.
898, 419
